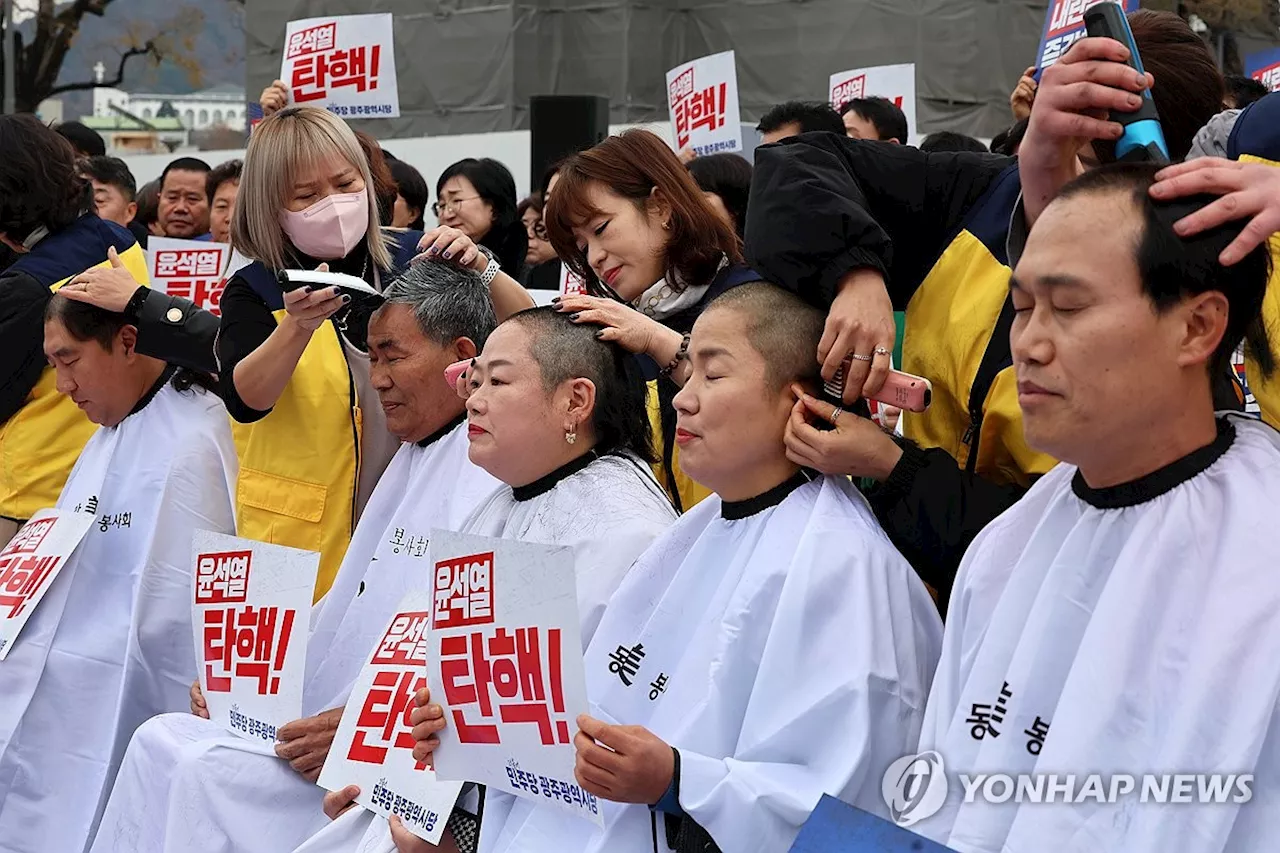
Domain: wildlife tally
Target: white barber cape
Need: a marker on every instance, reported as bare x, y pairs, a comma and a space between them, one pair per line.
1123, 631
608, 510
187, 784
110, 645
788, 649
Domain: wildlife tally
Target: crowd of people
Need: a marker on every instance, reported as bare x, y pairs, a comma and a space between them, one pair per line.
1060, 567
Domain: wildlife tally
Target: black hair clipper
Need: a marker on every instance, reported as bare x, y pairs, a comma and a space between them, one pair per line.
1143, 139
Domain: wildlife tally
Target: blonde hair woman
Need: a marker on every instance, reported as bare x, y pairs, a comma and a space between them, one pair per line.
311, 434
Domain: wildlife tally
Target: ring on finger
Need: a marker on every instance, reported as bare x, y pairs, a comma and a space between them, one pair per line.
835, 416
857, 357
883, 351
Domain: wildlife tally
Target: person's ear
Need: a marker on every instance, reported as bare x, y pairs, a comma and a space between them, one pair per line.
581, 403
128, 338
1204, 322
464, 348
659, 208
131, 210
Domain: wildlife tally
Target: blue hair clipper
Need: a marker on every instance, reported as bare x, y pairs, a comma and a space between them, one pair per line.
1143, 138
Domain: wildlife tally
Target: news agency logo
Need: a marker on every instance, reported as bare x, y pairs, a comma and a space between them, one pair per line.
914, 787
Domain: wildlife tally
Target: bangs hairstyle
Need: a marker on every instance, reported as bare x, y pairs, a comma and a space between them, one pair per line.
633, 164
1173, 268
293, 141
565, 350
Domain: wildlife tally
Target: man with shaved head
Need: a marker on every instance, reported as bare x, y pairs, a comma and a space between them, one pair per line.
788, 648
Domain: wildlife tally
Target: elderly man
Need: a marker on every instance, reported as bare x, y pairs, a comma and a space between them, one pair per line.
1120, 619
186, 784
112, 636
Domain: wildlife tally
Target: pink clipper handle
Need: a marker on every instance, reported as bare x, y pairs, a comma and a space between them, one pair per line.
454, 371
906, 391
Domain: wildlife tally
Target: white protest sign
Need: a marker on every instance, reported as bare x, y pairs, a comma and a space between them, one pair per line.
570, 283
346, 64
507, 667
895, 83
702, 98
250, 615
30, 563
192, 269
373, 747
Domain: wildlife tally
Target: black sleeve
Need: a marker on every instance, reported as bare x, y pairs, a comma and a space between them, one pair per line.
22, 304
173, 329
931, 510
246, 323
822, 205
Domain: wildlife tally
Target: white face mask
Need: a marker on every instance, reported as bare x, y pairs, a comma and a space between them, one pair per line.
330, 228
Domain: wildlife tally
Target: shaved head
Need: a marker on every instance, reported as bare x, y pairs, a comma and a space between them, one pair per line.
783, 328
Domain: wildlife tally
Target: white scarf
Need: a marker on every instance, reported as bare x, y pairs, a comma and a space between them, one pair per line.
665, 299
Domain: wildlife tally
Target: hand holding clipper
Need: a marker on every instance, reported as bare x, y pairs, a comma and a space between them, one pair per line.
1143, 138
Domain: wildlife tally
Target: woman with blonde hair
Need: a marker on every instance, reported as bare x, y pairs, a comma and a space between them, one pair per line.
311, 434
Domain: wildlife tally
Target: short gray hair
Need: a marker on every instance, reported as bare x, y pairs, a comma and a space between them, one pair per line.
449, 302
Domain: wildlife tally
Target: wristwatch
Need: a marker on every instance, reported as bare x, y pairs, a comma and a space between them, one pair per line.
491, 269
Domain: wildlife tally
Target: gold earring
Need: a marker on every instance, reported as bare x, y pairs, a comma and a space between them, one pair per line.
570, 436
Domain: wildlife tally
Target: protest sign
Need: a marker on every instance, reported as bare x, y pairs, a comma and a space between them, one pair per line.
702, 99
251, 613
1063, 24
192, 269
345, 64
895, 83
570, 283
1265, 68
373, 747
506, 665
30, 563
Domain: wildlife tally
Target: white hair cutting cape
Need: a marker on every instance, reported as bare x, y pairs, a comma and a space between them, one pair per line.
788, 649
608, 510
110, 645
1120, 632
189, 785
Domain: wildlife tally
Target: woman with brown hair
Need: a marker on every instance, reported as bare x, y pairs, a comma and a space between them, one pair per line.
627, 218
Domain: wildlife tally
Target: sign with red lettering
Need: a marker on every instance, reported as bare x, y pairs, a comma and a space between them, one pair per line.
895, 83
702, 98
1265, 68
346, 64
252, 609
373, 747
570, 283
192, 269
30, 563
506, 663
1063, 25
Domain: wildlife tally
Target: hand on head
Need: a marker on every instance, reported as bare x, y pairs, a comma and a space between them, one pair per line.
110, 287
1248, 191
853, 446
443, 243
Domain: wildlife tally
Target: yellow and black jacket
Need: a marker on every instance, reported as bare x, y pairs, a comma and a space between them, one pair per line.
42, 431
936, 226
1255, 138
300, 460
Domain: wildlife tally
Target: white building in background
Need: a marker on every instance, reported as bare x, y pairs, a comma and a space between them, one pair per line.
220, 106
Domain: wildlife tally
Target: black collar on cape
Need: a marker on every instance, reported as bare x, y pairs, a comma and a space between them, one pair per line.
442, 432
169, 370
1159, 481
737, 510
546, 483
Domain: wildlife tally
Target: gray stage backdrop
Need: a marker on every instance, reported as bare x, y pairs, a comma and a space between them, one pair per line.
470, 66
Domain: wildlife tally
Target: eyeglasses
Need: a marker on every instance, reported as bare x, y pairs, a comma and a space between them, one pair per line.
451, 206
538, 230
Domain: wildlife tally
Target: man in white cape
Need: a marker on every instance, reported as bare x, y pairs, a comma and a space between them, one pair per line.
1120, 620
110, 644
189, 785
593, 495
769, 648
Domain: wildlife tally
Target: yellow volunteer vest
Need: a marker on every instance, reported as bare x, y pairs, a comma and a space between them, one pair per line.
690, 492
1267, 391
948, 325
299, 466
41, 443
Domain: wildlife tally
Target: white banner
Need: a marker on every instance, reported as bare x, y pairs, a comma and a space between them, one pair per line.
192, 269
506, 665
250, 615
895, 83
702, 99
346, 64
373, 747
570, 283
30, 563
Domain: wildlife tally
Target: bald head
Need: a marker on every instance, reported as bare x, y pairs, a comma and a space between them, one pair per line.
783, 328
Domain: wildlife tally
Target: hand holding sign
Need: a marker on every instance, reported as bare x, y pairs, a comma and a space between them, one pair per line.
305, 743
625, 764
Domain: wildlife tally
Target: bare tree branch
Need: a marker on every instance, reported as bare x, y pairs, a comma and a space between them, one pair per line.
147, 49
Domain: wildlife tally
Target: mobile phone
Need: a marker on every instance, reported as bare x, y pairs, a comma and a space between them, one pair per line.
454, 372
1143, 138
905, 390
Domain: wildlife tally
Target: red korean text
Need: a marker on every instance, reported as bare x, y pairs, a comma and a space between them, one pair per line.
246, 642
